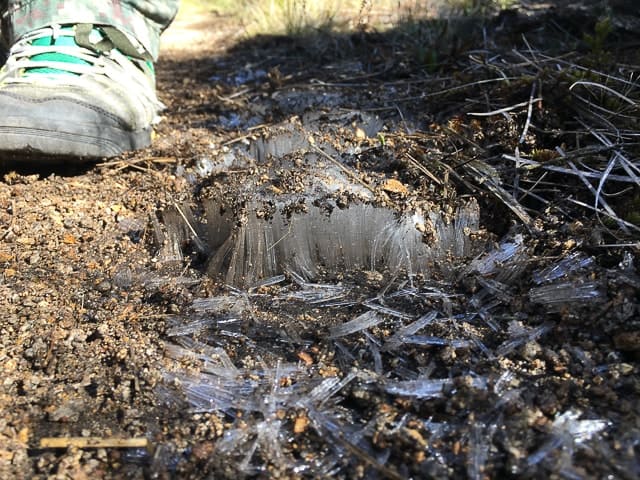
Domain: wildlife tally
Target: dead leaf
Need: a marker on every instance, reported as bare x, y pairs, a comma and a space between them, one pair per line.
394, 186
69, 239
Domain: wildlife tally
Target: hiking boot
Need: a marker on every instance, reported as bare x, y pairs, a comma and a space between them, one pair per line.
81, 92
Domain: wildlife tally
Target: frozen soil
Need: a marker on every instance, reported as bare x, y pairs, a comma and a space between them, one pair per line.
190, 295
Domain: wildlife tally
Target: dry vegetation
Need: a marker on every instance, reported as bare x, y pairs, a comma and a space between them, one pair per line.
295, 17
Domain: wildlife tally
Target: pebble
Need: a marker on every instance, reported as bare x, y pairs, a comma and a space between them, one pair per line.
103, 287
627, 341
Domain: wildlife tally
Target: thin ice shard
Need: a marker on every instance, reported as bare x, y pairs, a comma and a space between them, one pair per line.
222, 303
503, 383
327, 389
437, 430
567, 434
215, 359
430, 340
556, 295
506, 253
386, 310
479, 443
268, 282
169, 237
177, 352
398, 337
190, 327
210, 393
495, 290
318, 294
321, 392
424, 387
361, 236
522, 337
375, 353
572, 263
348, 441
420, 388
362, 322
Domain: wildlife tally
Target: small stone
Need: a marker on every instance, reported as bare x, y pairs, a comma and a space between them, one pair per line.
531, 350
416, 437
104, 286
306, 358
66, 413
123, 278
203, 450
627, 341
394, 186
625, 368
300, 425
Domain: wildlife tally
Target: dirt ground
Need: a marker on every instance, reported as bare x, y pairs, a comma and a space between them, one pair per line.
510, 352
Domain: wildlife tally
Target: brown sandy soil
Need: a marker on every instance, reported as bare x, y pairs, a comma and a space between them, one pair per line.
99, 272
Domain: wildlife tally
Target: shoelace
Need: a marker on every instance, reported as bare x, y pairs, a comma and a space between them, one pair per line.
98, 55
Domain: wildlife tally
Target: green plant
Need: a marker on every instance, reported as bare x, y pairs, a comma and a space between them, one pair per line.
601, 31
477, 7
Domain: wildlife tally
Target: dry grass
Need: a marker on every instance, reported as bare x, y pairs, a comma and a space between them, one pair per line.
570, 133
295, 17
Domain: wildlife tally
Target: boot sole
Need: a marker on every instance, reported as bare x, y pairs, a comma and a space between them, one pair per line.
21, 139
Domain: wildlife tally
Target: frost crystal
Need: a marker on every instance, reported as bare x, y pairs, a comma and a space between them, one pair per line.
567, 434
420, 388
507, 252
564, 267
555, 295
359, 237
361, 322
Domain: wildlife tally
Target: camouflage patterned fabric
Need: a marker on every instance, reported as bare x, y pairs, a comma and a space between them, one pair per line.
143, 19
